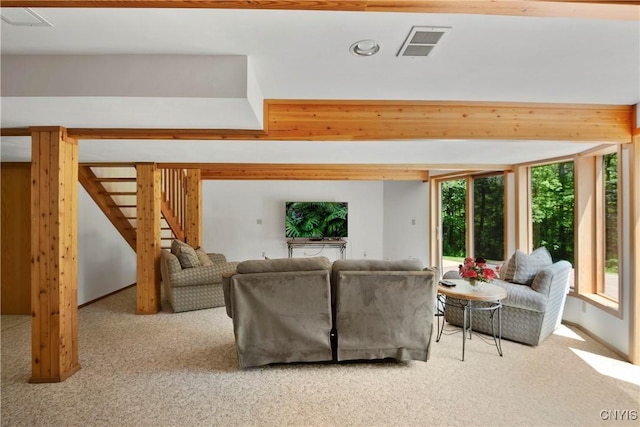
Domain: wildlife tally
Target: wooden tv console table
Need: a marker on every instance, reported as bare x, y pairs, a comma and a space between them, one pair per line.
320, 243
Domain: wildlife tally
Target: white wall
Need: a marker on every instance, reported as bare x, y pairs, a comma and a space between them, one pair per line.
106, 262
406, 220
231, 210
380, 225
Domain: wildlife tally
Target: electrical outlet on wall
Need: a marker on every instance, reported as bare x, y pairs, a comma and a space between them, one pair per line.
264, 254
584, 307
364, 254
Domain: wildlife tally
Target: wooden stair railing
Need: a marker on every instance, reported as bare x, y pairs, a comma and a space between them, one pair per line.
123, 215
103, 198
174, 200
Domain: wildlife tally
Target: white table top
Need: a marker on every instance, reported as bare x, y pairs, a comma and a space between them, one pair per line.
480, 292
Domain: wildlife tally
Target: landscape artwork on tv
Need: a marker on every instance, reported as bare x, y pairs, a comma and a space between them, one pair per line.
316, 220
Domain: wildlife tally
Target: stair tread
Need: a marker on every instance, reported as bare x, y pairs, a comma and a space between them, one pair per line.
111, 179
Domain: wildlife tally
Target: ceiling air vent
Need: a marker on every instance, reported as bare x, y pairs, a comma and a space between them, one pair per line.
422, 40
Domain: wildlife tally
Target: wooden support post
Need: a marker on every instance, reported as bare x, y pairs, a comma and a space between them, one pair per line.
508, 210
634, 256
586, 205
193, 223
523, 208
54, 252
469, 219
148, 239
435, 224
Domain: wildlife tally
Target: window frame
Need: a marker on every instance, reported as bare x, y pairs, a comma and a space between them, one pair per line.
436, 211
588, 235
590, 231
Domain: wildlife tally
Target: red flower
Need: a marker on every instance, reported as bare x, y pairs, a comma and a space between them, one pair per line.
489, 274
476, 270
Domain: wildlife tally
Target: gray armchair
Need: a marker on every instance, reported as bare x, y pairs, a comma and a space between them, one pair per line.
196, 287
530, 313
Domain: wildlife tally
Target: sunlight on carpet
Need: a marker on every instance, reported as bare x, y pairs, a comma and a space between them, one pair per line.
613, 368
563, 331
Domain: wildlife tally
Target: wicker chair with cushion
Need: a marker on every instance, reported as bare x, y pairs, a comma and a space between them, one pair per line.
192, 279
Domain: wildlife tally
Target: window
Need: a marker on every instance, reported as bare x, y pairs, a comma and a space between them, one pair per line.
608, 287
488, 217
597, 233
552, 209
472, 212
454, 223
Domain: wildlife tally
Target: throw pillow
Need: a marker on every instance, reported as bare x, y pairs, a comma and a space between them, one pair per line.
528, 266
203, 257
186, 254
507, 269
175, 246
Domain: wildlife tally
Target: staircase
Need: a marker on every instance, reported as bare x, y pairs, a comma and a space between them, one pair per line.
113, 187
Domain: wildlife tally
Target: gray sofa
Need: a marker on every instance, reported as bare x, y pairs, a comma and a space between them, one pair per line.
531, 311
306, 310
193, 282
281, 310
383, 309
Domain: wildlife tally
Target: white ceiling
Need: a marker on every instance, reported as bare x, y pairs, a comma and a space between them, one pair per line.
305, 55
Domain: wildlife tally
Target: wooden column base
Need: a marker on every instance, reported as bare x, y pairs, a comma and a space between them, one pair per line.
56, 379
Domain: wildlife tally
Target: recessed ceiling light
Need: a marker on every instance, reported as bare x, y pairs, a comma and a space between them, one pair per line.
365, 48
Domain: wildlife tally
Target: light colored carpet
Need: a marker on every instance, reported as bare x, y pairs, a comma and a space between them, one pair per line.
181, 370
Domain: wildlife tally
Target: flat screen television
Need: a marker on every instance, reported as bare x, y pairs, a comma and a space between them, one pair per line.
316, 220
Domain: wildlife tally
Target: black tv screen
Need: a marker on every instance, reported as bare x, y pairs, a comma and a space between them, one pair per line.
316, 220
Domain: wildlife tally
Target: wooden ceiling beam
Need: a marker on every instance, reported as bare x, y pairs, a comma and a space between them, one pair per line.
272, 171
599, 9
389, 120
365, 120
322, 172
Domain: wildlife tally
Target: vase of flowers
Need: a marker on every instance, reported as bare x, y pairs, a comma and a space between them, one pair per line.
476, 271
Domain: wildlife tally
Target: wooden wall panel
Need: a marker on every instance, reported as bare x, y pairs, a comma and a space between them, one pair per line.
16, 240
54, 301
148, 239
